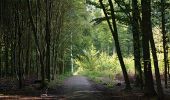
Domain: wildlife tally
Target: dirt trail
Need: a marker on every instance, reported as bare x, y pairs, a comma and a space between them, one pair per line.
80, 88
77, 83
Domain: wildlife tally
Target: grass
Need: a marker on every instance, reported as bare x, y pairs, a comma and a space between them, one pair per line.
59, 80
105, 68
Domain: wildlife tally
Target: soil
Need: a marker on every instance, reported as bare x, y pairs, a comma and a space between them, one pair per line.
81, 88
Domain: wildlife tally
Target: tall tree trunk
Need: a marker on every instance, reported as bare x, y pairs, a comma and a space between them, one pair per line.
6, 56
14, 60
157, 73
20, 25
52, 61
114, 32
37, 44
19, 59
27, 65
155, 59
168, 71
164, 40
37, 64
146, 25
12, 56
136, 43
0, 59
48, 37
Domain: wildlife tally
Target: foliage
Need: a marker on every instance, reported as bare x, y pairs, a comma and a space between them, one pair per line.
58, 80
93, 48
88, 60
100, 64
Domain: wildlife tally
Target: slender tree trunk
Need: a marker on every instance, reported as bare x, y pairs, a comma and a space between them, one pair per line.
37, 45
114, 32
19, 60
37, 64
0, 59
12, 58
164, 40
15, 45
146, 25
157, 73
53, 61
27, 65
136, 43
48, 37
6, 56
20, 25
168, 70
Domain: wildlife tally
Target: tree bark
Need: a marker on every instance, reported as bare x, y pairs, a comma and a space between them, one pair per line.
27, 63
164, 41
6, 54
0, 60
19, 50
157, 73
48, 38
136, 43
146, 25
37, 45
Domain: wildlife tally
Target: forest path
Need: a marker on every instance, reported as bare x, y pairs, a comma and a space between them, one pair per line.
77, 83
81, 88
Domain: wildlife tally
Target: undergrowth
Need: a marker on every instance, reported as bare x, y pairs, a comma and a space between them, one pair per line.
58, 80
95, 64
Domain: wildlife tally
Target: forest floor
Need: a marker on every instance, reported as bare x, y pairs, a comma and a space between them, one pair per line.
72, 88
77, 88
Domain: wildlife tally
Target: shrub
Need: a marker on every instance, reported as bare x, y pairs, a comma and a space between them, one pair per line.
97, 64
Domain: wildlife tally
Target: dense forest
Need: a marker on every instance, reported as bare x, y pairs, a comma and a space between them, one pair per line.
122, 42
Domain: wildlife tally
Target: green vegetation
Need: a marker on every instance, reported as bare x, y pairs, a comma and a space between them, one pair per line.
58, 81
46, 40
100, 64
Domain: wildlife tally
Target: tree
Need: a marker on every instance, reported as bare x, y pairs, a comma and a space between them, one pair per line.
146, 31
48, 37
113, 29
40, 52
157, 72
131, 20
164, 40
136, 42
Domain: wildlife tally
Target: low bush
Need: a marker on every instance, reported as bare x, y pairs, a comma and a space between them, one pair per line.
100, 64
